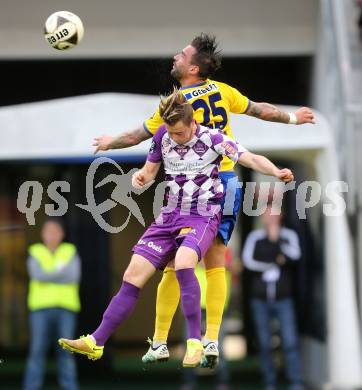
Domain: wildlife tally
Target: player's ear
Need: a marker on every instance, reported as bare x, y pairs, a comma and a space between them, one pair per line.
194, 70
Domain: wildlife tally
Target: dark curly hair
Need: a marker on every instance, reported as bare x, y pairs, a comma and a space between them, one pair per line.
207, 57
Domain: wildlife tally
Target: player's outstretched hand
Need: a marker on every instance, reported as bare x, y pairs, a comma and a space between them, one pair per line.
138, 180
285, 175
102, 143
304, 115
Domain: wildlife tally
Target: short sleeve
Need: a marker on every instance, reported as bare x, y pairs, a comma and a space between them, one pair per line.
152, 124
238, 103
155, 152
226, 146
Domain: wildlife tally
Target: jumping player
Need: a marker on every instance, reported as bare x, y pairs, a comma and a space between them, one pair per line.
212, 102
187, 225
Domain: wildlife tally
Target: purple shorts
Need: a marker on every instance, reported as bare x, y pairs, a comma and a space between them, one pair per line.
160, 241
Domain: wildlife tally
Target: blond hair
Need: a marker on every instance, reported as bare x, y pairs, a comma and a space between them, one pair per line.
174, 108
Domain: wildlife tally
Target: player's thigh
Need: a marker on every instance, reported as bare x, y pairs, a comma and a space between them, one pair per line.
215, 255
186, 258
200, 235
139, 270
157, 245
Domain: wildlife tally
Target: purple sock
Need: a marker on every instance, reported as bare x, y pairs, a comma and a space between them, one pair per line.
117, 311
190, 301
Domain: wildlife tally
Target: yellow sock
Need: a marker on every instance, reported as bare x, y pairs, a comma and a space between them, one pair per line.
215, 301
168, 297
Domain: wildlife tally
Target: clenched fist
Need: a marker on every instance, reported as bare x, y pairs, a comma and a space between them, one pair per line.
138, 180
285, 175
304, 115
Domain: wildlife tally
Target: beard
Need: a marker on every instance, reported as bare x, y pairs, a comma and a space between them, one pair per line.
176, 74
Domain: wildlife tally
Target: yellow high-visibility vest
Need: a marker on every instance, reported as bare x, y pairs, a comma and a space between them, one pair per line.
43, 295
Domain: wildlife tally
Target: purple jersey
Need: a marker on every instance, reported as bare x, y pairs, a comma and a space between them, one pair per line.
192, 169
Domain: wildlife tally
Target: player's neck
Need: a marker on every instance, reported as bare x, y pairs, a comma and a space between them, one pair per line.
188, 81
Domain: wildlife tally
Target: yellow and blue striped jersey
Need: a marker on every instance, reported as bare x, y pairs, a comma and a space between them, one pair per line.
212, 102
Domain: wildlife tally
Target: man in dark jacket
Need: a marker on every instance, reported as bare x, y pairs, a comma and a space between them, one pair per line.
269, 253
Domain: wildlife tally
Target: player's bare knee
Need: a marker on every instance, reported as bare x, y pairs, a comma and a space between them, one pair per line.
216, 263
171, 264
185, 258
130, 276
215, 256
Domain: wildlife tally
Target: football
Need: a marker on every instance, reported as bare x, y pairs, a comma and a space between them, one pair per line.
63, 30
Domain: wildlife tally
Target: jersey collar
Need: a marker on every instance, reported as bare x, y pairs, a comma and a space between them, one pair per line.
195, 85
197, 132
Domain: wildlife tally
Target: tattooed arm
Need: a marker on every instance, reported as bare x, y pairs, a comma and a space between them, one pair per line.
271, 113
124, 140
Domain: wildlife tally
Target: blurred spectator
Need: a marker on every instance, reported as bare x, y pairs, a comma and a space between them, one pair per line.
359, 4
269, 253
53, 301
222, 370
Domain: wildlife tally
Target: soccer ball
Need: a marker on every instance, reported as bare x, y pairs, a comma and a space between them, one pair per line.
63, 30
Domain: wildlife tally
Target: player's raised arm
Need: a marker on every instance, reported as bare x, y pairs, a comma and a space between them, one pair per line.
124, 140
269, 112
265, 166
